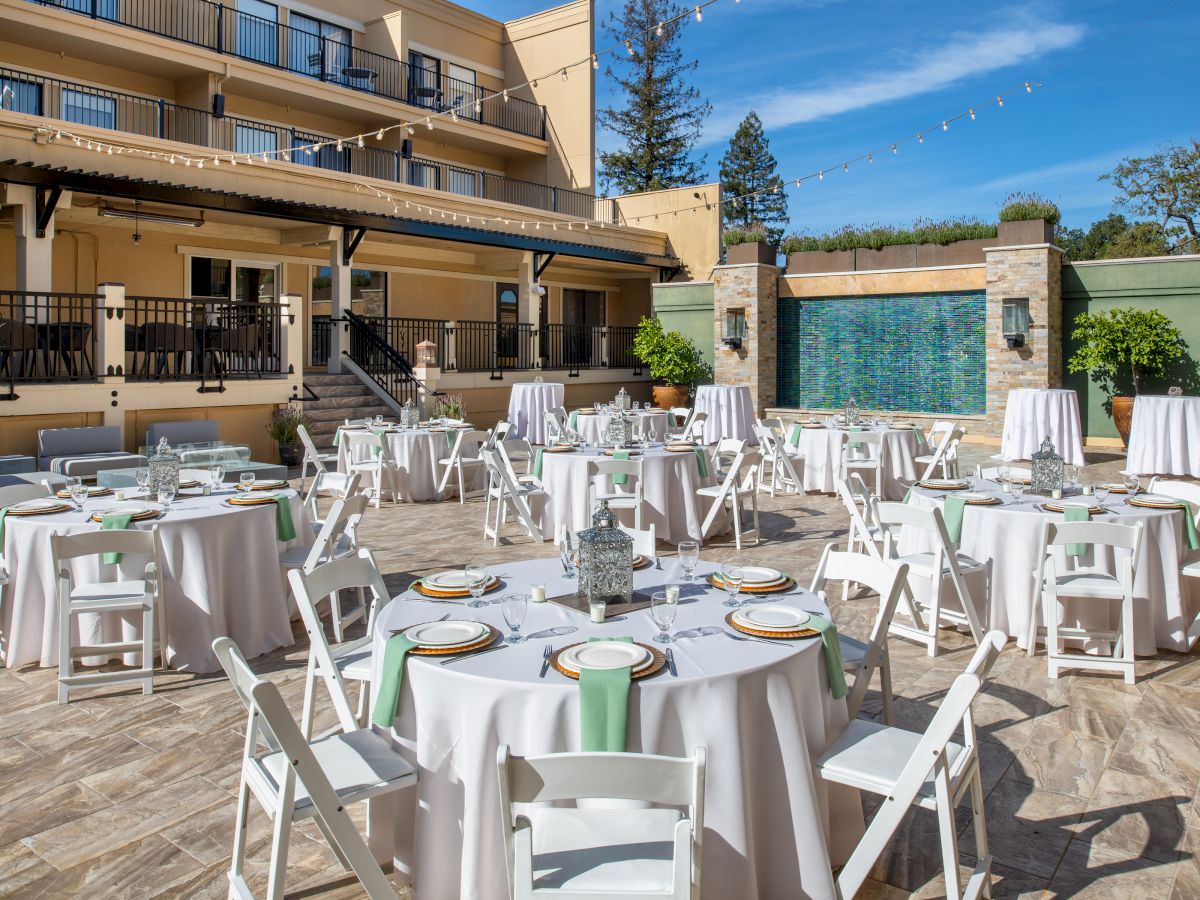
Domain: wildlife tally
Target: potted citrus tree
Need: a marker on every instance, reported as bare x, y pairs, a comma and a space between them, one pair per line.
1120, 349
673, 360
284, 429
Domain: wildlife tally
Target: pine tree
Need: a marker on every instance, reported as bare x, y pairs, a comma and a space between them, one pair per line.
747, 167
662, 116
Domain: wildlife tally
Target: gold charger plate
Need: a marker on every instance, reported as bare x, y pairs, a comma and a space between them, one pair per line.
273, 485
961, 486
63, 507
1051, 506
1154, 504
630, 452
92, 492
795, 634
680, 449
451, 595
786, 585
641, 562
990, 501
139, 517
562, 448
489, 638
657, 661
249, 501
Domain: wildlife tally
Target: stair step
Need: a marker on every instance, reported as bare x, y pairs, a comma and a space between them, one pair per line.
330, 380
339, 414
340, 390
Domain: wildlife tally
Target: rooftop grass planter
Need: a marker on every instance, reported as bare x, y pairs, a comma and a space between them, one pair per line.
1027, 219
749, 246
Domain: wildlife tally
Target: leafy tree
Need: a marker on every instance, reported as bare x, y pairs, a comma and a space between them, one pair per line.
1140, 342
1164, 186
746, 168
672, 358
662, 115
1114, 237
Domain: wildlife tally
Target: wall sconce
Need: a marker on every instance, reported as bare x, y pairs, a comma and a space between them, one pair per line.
734, 329
1015, 321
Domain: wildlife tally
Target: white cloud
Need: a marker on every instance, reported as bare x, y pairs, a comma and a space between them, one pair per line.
961, 56
1070, 170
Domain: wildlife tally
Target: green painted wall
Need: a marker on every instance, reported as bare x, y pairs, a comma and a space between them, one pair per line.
1170, 284
688, 309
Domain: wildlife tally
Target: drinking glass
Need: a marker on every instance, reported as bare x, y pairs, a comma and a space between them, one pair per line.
1102, 488
596, 408
476, 581
732, 577
142, 476
662, 610
514, 607
1018, 488
246, 480
217, 474
78, 491
1132, 483
567, 554
689, 556
165, 497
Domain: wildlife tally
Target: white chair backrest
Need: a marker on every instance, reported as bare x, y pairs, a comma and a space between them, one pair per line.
518, 452
862, 512
695, 427
863, 438
19, 493
560, 413
946, 449
343, 518
728, 448
499, 433
678, 413
310, 448
554, 428
93, 543
372, 443
337, 484
1187, 491
893, 516
1108, 534
468, 443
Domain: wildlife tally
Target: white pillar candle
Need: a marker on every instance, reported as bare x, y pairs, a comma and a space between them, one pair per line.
597, 611
118, 495
673, 593
539, 593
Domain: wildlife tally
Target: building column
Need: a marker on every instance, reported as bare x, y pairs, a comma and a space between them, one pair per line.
291, 337
35, 255
529, 304
754, 290
339, 337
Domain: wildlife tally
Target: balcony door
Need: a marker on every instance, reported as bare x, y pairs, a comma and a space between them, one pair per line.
258, 31
424, 80
582, 313
508, 329
318, 48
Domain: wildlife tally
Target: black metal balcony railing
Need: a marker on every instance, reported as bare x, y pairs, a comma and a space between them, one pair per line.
82, 104
320, 343
47, 337
203, 23
620, 347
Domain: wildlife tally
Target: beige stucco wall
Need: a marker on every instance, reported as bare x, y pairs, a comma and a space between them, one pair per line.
691, 218
906, 281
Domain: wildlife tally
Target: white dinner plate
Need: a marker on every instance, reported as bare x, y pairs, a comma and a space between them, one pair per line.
605, 655
1157, 499
453, 580
134, 509
759, 575
39, 503
977, 496
943, 482
267, 485
771, 618
257, 496
446, 634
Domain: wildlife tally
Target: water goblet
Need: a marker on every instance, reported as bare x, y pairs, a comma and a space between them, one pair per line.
1132, 483
689, 557
1018, 488
1102, 489
142, 476
246, 481
567, 554
166, 495
663, 607
731, 577
514, 607
476, 580
217, 474
78, 491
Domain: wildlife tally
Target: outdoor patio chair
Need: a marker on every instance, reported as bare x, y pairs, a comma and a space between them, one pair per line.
865, 458
865, 533
945, 456
1189, 493
312, 456
509, 494
337, 485
738, 485
617, 481
785, 468
84, 451
555, 430
17, 493
376, 461
18, 338
693, 429
166, 341
464, 462
497, 434
992, 473
337, 538
239, 350
724, 454
521, 456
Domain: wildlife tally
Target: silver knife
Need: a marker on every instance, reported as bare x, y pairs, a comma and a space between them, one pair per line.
453, 659
671, 663
546, 660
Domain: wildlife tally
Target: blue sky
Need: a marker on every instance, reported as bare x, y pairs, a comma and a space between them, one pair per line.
833, 79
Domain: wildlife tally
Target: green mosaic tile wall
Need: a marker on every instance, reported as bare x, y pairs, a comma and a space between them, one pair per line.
913, 352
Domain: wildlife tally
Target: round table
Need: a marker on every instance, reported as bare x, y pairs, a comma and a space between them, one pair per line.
1036, 413
221, 577
527, 405
730, 412
762, 713
416, 451
1165, 436
1010, 536
593, 427
669, 499
821, 448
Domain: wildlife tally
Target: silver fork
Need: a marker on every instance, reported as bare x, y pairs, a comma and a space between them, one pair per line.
746, 637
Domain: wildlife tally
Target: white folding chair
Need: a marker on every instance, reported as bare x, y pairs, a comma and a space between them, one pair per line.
602, 474
645, 428
589, 853
739, 483
861, 659
464, 461
1189, 493
927, 769
18, 493
134, 597
520, 455
509, 493
945, 456
296, 780
497, 434
337, 538
934, 566
350, 660
555, 430
312, 456
693, 428
933, 439
1086, 585
645, 540
337, 485
784, 471
723, 454
867, 457
864, 531
679, 416
376, 460
992, 473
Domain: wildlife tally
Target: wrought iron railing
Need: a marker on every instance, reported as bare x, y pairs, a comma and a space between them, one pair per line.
47, 337
381, 362
320, 343
620, 348
573, 347
214, 26
493, 346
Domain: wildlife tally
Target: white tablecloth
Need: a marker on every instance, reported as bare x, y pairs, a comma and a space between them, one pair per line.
822, 451
593, 427
416, 452
762, 713
1165, 436
527, 403
669, 499
1010, 535
221, 577
730, 412
1034, 413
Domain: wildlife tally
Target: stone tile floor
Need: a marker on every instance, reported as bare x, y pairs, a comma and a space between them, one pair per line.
1092, 785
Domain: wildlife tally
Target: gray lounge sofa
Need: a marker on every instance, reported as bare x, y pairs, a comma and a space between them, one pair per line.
84, 451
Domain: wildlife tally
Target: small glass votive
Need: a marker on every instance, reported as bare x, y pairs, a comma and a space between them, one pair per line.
1088, 488
538, 593
1006, 487
597, 611
206, 489
673, 593
118, 496
1056, 494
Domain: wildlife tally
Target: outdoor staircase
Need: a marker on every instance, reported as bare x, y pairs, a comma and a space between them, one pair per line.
340, 397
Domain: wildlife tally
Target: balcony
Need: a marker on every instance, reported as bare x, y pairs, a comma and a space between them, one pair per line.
81, 104
225, 30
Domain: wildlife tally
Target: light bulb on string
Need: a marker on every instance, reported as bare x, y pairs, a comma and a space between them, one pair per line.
1000, 101
971, 112
945, 125
894, 150
870, 159
845, 167
429, 123
478, 107
821, 175
629, 47
379, 135
360, 142
595, 62
920, 138
505, 93
564, 73
658, 32
1028, 88
699, 16
411, 131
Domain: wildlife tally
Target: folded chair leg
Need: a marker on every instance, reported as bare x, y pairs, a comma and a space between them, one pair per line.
948, 831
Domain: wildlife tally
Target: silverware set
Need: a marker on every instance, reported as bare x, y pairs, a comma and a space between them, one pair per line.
547, 652
472, 655
670, 654
746, 637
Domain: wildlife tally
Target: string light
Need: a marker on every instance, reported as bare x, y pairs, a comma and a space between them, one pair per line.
699, 17
629, 47
595, 61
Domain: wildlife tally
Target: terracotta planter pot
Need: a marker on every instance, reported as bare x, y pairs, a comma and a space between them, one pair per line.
668, 396
1122, 413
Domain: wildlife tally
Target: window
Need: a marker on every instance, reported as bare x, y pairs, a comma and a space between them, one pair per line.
368, 292
424, 80
462, 181
21, 96
423, 174
582, 307
461, 90
318, 48
89, 109
210, 278
258, 31
254, 140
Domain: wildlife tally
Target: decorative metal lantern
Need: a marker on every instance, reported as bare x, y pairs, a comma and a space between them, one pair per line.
851, 413
605, 560
620, 430
164, 469
622, 401
410, 416
1048, 469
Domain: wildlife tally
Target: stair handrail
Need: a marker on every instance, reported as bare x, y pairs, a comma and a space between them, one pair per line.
400, 366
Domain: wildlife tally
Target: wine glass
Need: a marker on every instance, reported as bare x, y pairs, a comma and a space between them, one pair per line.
1018, 488
78, 491
217, 474
476, 581
166, 495
142, 476
1132, 483
567, 554
731, 577
689, 556
663, 607
1102, 489
514, 607
246, 481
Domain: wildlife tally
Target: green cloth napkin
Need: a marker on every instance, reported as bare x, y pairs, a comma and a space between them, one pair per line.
573, 420
794, 437
855, 445
118, 521
702, 462
383, 713
379, 433
284, 525
451, 437
952, 514
620, 477
537, 462
604, 706
1075, 513
1189, 524
833, 655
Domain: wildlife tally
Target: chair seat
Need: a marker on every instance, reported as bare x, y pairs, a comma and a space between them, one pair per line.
1089, 584
922, 563
854, 652
359, 765
926, 458
608, 851
860, 462
617, 497
355, 664
870, 756
372, 465
295, 557
1191, 569
122, 593
467, 461
713, 490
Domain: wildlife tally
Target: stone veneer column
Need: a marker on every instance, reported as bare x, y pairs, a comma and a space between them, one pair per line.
754, 288
1033, 272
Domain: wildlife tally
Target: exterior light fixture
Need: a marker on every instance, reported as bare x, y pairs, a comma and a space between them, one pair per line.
734, 329
1015, 321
